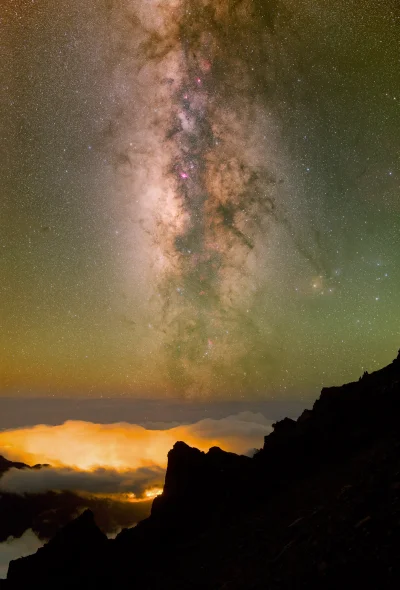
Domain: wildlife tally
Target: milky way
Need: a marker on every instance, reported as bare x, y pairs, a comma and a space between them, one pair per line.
200, 197
203, 166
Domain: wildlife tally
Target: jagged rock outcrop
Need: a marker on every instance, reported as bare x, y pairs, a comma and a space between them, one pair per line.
342, 419
5, 465
191, 471
197, 482
45, 513
76, 550
199, 489
318, 507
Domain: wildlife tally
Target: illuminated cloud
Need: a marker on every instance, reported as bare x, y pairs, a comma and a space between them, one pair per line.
126, 461
87, 446
134, 484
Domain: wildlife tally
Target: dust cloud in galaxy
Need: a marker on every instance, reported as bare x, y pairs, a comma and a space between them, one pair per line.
197, 146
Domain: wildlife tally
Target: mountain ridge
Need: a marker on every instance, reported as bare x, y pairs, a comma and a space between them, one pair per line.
317, 506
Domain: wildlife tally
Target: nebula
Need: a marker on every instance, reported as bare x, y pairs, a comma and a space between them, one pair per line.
198, 154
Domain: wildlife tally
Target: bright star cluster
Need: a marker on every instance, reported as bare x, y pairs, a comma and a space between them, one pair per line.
200, 198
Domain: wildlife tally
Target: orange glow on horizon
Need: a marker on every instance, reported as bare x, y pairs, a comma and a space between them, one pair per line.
124, 462
153, 492
88, 446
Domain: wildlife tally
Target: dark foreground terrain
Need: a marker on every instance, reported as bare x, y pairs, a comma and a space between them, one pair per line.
45, 513
317, 507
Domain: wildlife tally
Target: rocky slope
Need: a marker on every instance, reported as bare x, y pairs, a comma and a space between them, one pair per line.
5, 465
47, 512
317, 507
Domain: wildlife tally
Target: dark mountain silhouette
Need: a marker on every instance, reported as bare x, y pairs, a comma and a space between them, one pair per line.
5, 465
317, 507
79, 547
47, 512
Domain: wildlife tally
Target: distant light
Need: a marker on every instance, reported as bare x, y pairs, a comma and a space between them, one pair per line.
153, 492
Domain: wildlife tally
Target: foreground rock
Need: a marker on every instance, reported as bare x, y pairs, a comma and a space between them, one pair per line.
317, 507
5, 465
75, 551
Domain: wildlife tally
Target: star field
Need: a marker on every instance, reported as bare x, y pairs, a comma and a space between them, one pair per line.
199, 199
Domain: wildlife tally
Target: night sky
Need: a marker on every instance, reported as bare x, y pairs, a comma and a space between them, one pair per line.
199, 199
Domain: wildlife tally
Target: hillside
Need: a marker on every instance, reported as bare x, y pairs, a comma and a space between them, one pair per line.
317, 507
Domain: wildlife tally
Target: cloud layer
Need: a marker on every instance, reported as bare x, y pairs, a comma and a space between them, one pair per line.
87, 446
14, 548
99, 481
115, 459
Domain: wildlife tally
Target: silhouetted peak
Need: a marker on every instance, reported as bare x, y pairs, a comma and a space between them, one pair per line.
5, 465
84, 519
343, 418
181, 450
75, 547
202, 479
180, 446
284, 426
305, 415
287, 506
215, 451
79, 532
